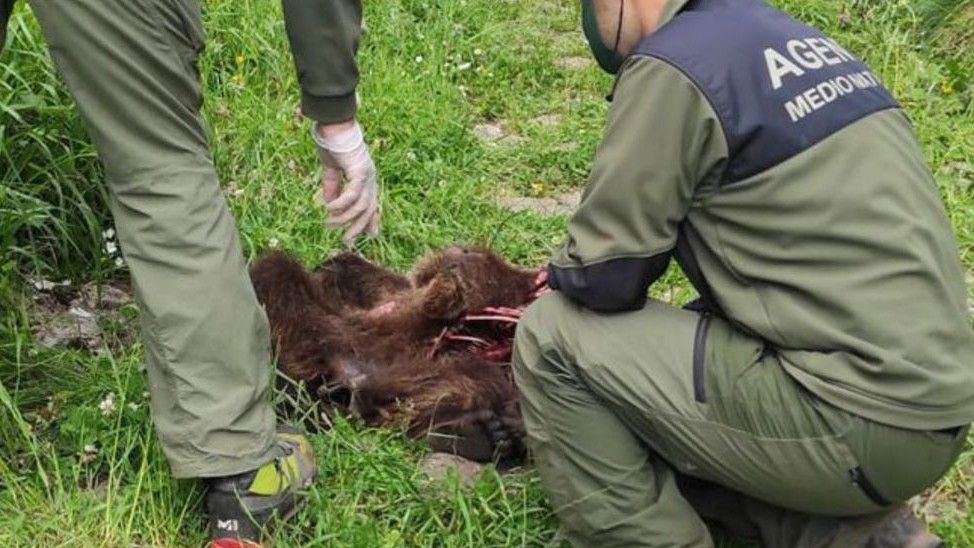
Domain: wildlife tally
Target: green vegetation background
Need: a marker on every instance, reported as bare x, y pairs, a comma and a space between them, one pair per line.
433, 70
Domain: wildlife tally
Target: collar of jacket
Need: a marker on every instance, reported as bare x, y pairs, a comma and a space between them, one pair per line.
672, 8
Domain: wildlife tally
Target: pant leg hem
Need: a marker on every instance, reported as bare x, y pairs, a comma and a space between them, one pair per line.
212, 466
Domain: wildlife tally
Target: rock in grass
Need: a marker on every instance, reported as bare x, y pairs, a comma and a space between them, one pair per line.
437, 467
75, 328
65, 316
103, 297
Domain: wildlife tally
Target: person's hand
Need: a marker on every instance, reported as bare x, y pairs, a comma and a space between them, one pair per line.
348, 179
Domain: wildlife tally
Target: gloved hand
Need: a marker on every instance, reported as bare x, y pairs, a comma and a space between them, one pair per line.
345, 157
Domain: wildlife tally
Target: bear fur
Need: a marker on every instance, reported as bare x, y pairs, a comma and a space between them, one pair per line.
377, 345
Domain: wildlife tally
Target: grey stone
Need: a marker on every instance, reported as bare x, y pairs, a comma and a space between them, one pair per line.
76, 328
102, 297
437, 467
65, 316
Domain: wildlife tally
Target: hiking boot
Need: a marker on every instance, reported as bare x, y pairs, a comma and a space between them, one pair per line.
241, 507
900, 528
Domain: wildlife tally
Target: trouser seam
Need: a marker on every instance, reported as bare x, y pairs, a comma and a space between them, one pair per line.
722, 426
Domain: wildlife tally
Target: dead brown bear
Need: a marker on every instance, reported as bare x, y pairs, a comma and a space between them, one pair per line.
430, 351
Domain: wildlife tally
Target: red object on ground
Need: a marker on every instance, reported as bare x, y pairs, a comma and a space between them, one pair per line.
233, 543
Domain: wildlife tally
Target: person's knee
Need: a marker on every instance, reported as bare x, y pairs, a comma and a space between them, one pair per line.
544, 313
538, 331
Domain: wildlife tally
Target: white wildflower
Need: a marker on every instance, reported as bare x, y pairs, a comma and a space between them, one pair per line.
111, 247
43, 285
107, 405
274, 242
88, 453
119, 262
464, 66
133, 406
419, 58
108, 234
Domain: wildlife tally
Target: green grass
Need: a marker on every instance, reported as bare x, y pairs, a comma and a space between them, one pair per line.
420, 102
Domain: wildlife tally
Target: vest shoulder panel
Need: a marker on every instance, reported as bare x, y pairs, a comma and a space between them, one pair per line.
777, 85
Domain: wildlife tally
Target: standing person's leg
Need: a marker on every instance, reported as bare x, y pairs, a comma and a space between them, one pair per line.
620, 408
130, 65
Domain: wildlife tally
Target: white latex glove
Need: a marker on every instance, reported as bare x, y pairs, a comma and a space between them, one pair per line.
345, 159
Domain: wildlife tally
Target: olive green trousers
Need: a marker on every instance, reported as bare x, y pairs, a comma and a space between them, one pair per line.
643, 423
131, 67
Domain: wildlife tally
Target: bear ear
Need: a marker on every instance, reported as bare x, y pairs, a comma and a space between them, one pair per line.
443, 297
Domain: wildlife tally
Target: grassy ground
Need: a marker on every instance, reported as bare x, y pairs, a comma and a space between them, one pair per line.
434, 71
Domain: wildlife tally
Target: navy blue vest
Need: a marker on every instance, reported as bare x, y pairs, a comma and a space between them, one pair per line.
777, 85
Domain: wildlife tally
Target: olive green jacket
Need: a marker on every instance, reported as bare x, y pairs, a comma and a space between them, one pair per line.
324, 38
787, 183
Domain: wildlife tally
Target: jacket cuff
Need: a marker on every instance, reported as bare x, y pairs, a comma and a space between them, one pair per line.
329, 110
617, 285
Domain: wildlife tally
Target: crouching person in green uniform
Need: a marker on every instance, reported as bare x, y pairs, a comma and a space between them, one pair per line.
827, 373
131, 67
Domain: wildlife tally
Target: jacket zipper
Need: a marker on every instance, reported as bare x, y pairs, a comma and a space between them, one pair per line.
860, 480
699, 359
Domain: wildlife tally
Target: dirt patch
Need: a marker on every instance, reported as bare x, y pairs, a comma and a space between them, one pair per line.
489, 133
437, 467
562, 204
933, 506
81, 317
547, 120
495, 133
574, 62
